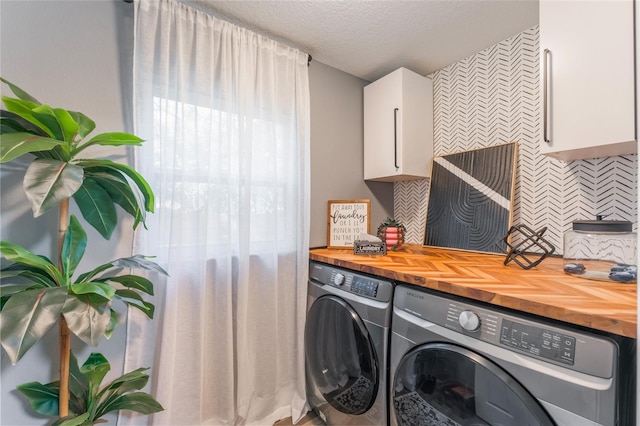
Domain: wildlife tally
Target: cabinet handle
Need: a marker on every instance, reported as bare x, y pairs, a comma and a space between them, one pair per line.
545, 95
395, 138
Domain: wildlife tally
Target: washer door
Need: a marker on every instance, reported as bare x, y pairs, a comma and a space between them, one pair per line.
341, 359
444, 384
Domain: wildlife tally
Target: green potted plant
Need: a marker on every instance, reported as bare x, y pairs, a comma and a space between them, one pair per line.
36, 293
392, 232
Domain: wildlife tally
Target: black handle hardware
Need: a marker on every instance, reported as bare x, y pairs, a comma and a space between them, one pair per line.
545, 95
395, 138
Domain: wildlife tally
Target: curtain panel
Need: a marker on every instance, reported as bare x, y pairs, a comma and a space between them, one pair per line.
225, 115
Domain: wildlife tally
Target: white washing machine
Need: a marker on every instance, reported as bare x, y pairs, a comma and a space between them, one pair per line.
346, 346
455, 362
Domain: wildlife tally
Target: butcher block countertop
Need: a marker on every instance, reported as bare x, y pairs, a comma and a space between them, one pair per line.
544, 290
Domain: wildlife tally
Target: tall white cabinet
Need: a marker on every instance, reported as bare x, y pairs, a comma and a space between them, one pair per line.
587, 78
398, 127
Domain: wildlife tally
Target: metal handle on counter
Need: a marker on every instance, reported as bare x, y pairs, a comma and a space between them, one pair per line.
395, 138
545, 95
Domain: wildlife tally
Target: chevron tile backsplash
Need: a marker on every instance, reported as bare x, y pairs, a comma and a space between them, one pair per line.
492, 98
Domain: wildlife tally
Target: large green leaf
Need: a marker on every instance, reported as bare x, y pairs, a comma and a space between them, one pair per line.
43, 398
19, 92
27, 316
139, 262
134, 281
101, 290
48, 182
87, 319
67, 123
73, 247
24, 109
53, 154
133, 299
113, 323
6, 291
73, 420
105, 173
135, 262
46, 115
140, 402
78, 387
120, 192
18, 254
140, 182
110, 139
12, 123
95, 368
85, 124
88, 276
14, 145
96, 207
134, 380
36, 277
46, 396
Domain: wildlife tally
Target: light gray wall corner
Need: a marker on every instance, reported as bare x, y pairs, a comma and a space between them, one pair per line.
337, 145
67, 54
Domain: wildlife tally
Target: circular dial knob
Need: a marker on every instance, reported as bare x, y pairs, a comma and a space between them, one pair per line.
338, 279
469, 320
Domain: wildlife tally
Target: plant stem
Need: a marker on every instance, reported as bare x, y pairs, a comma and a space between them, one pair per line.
65, 352
65, 337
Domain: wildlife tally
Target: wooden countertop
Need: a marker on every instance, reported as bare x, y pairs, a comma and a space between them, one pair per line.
544, 290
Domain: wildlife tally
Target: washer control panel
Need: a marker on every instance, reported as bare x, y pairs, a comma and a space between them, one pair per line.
534, 340
365, 286
538, 341
352, 282
530, 336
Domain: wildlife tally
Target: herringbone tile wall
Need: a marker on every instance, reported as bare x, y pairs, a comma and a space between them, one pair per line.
492, 98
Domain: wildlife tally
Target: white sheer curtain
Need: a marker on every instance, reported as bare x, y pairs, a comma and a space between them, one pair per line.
225, 113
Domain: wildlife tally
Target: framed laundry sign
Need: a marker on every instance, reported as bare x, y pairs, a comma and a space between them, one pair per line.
346, 220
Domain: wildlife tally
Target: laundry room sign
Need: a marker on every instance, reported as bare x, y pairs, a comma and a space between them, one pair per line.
346, 220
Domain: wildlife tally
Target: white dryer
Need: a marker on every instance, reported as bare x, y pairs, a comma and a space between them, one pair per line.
346, 346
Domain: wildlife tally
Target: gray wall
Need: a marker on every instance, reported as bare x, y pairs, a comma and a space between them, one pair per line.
337, 150
75, 55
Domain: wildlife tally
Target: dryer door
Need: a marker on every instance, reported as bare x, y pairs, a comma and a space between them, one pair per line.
341, 359
445, 384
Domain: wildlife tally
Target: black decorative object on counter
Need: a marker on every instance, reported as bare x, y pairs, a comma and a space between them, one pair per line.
521, 252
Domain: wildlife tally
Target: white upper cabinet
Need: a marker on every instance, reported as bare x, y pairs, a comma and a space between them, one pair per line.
587, 78
398, 127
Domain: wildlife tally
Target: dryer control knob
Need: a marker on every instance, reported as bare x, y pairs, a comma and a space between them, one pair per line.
338, 279
469, 320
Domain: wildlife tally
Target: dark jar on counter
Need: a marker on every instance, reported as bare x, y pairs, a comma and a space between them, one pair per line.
601, 250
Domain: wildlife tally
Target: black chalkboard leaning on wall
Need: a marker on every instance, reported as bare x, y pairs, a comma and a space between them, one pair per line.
471, 193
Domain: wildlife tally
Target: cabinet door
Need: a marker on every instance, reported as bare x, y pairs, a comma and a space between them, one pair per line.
398, 127
587, 75
382, 118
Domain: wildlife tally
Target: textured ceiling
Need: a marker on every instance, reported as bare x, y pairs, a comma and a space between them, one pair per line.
369, 39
